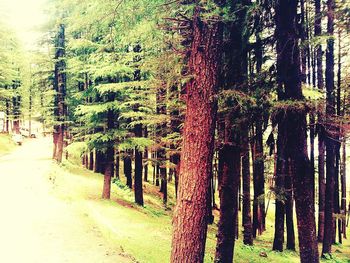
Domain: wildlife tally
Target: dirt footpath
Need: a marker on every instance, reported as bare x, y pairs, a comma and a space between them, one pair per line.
35, 226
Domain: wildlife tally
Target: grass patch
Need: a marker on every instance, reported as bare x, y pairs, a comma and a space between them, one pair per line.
6, 144
144, 233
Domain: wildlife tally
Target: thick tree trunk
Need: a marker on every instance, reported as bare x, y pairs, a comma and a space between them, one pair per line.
91, 160
190, 218
108, 173
228, 177
293, 125
99, 162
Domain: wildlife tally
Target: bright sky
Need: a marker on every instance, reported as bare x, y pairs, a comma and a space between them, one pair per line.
24, 16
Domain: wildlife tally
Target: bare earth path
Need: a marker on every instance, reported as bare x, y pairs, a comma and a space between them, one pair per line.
36, 226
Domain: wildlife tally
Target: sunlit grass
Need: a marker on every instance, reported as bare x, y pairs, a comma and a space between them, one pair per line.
6, 144
144, 233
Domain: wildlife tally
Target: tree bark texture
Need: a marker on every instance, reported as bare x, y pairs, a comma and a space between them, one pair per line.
330, 135
293, 124
190, 218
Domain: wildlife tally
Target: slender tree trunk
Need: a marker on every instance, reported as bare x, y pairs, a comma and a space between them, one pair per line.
280, 191
138, 188
109, 155
117, 164
190, 218
247, 221
60, 88
343, 186
259, 182
145, 157
128, 169
321, 132
303, 41
258, 149
330, 143
86, 161
289, 202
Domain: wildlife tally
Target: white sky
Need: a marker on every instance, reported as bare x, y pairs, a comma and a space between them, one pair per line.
24, 16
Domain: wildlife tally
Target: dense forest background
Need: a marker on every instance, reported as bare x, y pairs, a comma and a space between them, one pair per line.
236, 111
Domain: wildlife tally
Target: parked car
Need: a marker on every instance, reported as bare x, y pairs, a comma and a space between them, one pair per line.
17, 138
25, 133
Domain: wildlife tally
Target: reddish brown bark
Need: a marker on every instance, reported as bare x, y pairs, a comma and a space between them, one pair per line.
190, 218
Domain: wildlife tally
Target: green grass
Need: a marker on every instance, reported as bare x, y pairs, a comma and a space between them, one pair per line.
144, 233
6, 144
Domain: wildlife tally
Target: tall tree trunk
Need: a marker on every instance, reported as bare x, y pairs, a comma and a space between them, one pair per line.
330, 132
109, 155
60, 88
91, 160
289, 203
138, 189
145, 176
303, 41
117, 164
293, 124
190, 218
343, 186
320, 127
280, 191
258, 149
161, 154
258, 181
128, 169
228, 177
247, 221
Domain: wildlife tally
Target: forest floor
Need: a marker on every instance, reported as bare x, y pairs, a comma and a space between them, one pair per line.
35, 225
6, 143
55, 214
